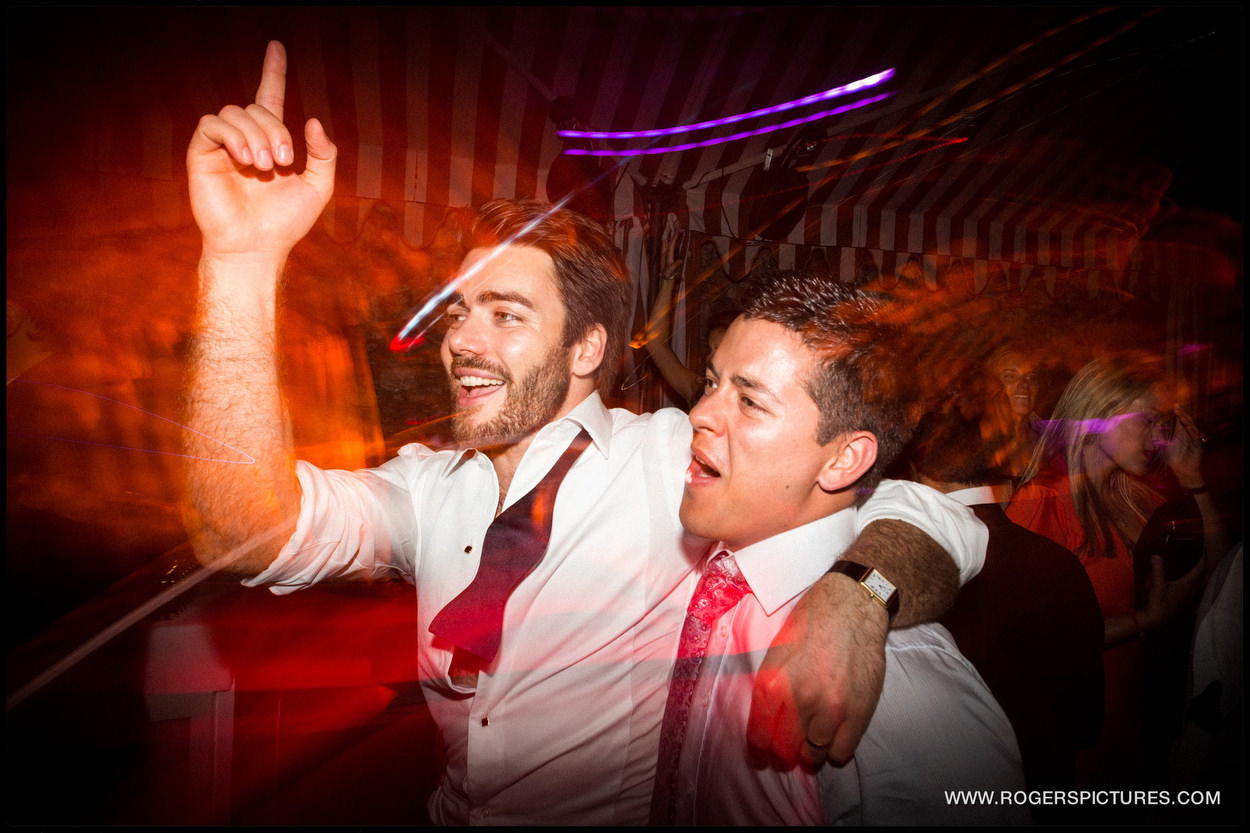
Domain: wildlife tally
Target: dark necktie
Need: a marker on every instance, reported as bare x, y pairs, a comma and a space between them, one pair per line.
720, 588
514, 544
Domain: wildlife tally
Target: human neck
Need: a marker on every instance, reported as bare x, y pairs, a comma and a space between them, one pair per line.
506, 460
506, 454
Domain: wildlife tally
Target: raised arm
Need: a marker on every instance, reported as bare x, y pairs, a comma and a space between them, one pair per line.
1183, 457
819, 684
251, 210
659, 331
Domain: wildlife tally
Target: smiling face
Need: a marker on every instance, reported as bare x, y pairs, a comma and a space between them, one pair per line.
509, 371
1019, 381
757, 469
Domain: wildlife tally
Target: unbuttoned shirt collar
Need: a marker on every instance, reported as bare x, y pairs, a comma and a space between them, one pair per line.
786, 565
548, 444
590, 414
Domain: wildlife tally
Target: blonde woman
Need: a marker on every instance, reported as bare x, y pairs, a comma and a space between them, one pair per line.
1089, 487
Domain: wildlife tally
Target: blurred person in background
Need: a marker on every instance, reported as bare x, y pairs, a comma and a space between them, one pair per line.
1012, 425
1089, 488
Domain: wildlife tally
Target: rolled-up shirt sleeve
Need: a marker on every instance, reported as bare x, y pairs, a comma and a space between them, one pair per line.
352, 525
948, 522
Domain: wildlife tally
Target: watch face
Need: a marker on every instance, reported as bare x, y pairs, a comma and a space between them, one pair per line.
878, 584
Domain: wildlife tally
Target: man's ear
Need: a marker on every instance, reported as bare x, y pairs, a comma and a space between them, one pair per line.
850, 456
588, 351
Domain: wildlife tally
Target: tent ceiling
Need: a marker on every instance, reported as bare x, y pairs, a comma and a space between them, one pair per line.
1060, 117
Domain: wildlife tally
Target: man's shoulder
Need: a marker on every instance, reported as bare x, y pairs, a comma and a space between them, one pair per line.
930, 636
924, 659
666, 424
1027, 557
1023, 544
661, 417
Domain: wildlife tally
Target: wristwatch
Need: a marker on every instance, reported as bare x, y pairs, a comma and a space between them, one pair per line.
880, 588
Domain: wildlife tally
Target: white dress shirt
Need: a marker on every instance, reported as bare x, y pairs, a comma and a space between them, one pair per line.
974, 495
564, 724
937, 728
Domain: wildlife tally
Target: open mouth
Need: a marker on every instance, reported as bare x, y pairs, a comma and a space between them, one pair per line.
475, 389
475, 383
700, 470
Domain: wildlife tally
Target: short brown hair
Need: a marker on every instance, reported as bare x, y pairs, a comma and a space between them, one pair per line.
856, 386
591, 276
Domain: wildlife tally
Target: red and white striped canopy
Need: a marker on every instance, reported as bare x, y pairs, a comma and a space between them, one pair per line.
1028, 135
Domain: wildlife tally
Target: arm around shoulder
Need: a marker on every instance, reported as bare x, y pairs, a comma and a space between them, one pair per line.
818, 685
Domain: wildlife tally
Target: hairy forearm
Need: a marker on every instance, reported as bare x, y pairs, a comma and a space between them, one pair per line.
819, 683
242, 495
926, 577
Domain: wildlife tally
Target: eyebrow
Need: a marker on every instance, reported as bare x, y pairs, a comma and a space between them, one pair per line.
491, 296
739, 380
752, 385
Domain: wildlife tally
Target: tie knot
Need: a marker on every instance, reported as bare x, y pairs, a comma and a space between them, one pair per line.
721, 587
723, 563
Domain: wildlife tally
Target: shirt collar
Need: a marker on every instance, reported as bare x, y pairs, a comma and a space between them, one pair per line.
590, 414
782, 567
974, 495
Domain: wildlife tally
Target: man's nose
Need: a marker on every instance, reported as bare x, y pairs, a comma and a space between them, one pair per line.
465, 335
706, 415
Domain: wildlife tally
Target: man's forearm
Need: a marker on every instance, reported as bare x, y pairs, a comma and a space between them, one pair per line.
926, 577
241, 483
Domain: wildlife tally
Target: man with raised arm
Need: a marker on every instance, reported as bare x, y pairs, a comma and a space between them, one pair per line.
549, 712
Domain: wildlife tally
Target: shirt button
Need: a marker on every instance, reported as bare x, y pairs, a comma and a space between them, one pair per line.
468, 548
485, 721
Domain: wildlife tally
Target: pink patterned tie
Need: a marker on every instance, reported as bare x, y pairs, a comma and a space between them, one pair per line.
721, 587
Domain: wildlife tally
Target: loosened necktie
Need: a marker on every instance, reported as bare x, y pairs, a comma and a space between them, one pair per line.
720, 588
514, 544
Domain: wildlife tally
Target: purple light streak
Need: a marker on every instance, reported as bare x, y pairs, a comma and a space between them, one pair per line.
835, 92
743, 135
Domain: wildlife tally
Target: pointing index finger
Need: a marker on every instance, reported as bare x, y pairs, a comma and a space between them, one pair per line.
272, 91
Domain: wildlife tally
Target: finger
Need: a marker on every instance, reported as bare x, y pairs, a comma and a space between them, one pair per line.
818, 742
844, 744
276, 146
260, 138
820, 732
768, 703
271, 94
322, 158
760, 717
214, 133
812, 756
789, 741
1157, 574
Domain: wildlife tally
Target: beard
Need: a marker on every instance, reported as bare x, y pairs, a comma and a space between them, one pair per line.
531, 403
